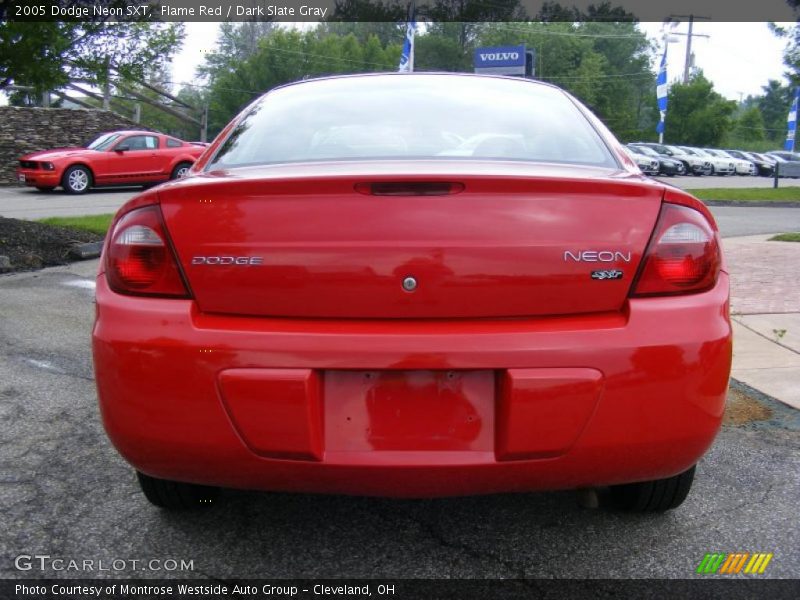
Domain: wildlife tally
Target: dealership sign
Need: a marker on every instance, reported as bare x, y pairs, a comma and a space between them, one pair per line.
501, 60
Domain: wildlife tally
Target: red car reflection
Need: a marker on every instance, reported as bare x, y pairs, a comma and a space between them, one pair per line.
413, 285
117, 158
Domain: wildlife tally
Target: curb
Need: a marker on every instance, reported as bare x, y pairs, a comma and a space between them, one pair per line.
86, 251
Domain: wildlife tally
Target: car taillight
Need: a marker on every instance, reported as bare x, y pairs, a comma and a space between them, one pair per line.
140, 260
683, 256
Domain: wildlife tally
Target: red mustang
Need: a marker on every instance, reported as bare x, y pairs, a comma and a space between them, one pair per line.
118, 158
413, 285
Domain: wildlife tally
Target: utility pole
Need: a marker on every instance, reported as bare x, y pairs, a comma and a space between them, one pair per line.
687, 65
688, 62
204, 124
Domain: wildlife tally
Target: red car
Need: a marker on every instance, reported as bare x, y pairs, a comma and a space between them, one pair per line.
117, 158
413, 285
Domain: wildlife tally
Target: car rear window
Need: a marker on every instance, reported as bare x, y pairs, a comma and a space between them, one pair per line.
173, 143
413, 117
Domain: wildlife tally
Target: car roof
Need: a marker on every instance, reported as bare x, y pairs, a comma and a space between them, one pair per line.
133, 132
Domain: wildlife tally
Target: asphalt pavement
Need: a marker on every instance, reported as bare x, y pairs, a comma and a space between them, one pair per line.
29, 203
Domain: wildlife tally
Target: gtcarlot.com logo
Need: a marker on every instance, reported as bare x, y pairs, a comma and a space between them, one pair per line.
736, 563
45, 562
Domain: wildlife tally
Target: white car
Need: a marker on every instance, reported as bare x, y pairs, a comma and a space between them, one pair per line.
741, 166
719, 165
693, 164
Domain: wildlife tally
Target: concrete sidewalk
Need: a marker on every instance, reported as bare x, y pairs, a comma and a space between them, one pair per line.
765, 308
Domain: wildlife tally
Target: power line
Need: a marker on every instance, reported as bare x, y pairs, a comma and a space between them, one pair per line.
606, 76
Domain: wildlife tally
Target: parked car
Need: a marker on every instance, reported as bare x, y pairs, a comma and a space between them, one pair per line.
740, 165
115, 158
666, 166
762, 165
647, 164
785, 155
785, 162
719, 165
329, 302
692, 164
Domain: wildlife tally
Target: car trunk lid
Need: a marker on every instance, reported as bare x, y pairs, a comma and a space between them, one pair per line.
428, 242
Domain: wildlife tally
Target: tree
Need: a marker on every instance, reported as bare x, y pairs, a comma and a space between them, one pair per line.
236, 42
438, 53
774, 106
604, 64
750, 126
697, 116
46, 55
463, 20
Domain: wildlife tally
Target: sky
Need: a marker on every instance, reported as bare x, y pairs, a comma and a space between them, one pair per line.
738, 58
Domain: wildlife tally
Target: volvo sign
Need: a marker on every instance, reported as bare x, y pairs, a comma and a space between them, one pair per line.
503, 60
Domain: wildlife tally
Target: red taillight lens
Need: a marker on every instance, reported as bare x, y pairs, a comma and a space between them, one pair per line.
139, 259
683, 256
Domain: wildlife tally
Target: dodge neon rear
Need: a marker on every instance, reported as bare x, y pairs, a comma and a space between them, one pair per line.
345, 301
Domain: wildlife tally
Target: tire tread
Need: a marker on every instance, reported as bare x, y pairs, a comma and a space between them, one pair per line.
176, 495
653, 496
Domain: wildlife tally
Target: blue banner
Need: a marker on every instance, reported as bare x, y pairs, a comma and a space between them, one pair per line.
791, 123
407, 56
661, 91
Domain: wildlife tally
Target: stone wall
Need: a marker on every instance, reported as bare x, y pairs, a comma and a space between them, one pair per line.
25, 130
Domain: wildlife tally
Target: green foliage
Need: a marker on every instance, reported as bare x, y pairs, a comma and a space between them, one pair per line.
774, 106
785, 237
95, 223
439, 53
781, 194
46, 55
750, 125
236, 42
698, 116
606, 65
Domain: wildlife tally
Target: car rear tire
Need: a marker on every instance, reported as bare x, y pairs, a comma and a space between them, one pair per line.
180, 170
653, 496
45, 189
176, 495
77, 180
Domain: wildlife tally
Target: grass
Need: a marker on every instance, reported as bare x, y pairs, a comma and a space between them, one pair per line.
95, 223
781, 194
785, 237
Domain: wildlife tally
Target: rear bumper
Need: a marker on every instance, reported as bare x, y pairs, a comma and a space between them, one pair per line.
555, 403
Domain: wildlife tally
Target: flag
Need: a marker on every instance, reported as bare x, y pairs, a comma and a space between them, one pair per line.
661, 91
407, 57
792, 123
